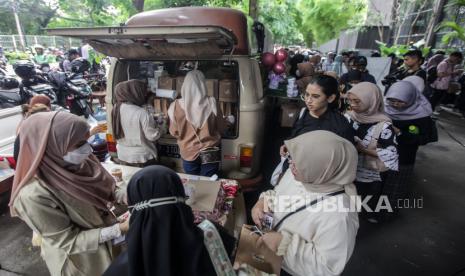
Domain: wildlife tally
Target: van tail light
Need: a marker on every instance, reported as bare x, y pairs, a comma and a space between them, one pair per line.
246, 157
111, 144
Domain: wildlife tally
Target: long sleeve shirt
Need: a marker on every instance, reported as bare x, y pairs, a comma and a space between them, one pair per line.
140, 134
314, 242
70, 230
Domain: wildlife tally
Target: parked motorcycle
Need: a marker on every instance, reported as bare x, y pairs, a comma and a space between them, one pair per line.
32, 83
72, 89
9, 92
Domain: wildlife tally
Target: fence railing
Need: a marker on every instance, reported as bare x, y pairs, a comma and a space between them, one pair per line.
13, 42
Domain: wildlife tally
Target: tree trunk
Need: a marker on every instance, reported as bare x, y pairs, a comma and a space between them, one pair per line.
138, 5
401, 21
437, 10
253, 9
410, 32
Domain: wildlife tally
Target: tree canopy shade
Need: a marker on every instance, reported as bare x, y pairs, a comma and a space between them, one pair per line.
322, 20
290, 21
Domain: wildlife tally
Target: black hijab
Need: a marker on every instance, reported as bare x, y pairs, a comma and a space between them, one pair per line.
162, 240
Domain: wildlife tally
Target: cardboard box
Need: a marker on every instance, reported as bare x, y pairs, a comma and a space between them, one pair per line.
167, 82
228, 91
212, 88
179, 82
289, 114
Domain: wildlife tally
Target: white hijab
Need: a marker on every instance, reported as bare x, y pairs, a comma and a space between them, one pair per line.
194, 100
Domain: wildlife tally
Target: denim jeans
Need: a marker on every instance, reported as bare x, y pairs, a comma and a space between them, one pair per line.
196, 168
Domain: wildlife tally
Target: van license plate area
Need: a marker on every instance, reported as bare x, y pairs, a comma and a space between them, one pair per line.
169, 150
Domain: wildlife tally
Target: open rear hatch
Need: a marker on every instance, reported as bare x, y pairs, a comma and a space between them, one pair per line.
155, 42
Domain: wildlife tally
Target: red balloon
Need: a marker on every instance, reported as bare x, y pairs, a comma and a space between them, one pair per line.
281, 55
268, 59
279, 68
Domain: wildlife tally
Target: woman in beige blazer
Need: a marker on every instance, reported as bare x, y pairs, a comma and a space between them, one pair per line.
64, 194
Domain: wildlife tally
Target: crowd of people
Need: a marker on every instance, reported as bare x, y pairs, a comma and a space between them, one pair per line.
350, 139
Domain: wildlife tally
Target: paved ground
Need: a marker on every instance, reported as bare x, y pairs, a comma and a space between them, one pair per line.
422, 241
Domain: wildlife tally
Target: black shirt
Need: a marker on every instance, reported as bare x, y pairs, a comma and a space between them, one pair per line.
409, 142
331, 120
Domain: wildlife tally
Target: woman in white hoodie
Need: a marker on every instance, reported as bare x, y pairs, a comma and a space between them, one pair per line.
320, 238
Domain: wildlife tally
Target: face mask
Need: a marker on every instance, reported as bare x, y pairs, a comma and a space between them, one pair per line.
78, 155
297, 73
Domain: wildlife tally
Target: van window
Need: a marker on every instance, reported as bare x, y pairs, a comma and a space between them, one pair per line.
222, 79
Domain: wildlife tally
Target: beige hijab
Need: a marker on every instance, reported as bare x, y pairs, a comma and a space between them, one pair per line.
45, 138
372, 104
327, 162
194, 100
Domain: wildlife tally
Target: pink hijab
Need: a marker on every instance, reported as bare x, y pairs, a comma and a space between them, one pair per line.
372, 104
45, 138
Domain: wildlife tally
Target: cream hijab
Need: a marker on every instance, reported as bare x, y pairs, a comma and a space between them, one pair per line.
194, 100
372, 104
327, 163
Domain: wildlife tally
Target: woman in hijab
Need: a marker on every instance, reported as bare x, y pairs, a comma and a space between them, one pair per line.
63, 194
315, 240
133, 126
432, 72
410, 112
197, 123
375, 139
163, 239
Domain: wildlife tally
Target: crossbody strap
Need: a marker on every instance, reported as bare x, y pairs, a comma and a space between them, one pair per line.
306, 206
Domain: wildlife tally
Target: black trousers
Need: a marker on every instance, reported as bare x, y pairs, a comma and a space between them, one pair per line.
437, 96
373, 189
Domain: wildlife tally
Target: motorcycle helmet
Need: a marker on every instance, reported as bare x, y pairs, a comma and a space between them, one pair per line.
25, 69
79, 65
9, 83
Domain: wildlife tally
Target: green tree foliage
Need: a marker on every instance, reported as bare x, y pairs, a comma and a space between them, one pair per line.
324, 19
283, 19
290, 21
33, 14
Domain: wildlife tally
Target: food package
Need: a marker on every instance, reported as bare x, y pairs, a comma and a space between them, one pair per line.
167, 82
212, 88
179, 82
289, 114
228, 91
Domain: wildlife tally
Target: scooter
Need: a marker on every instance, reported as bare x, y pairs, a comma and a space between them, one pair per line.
32, 83
72, 89
9, 92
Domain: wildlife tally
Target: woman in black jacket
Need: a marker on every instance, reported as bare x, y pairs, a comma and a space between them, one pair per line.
410, 112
